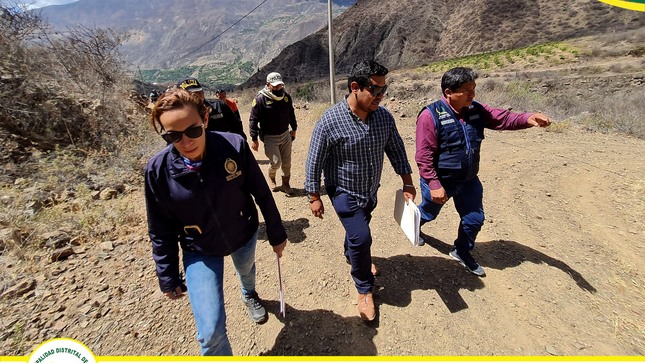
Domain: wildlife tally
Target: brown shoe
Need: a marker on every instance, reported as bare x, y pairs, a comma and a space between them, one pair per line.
286, 188
375, 270
366, 308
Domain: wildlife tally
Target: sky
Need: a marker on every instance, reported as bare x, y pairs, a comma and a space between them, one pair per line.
34, 4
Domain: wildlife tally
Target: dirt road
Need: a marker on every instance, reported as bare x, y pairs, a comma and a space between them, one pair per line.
562, 247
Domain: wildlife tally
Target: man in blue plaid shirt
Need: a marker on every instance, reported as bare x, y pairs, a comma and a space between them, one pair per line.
348, 146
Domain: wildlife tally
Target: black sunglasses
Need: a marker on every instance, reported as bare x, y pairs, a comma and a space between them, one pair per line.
376, 90
174, 136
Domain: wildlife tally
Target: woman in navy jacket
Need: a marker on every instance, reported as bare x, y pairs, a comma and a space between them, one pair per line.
201, 192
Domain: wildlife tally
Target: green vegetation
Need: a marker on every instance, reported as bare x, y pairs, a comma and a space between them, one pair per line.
211, 75
504, 58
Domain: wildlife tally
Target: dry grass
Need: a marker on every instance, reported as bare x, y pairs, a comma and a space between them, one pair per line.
61, 191
559, 126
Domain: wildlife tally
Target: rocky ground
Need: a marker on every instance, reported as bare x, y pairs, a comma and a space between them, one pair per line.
562, 247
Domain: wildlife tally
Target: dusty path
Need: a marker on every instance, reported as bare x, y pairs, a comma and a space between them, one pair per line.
562, 246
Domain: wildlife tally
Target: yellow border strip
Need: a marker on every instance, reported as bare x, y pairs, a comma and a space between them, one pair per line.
377, 359
630, 5
100, 359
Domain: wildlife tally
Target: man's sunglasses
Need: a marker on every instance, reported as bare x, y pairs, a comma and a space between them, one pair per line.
174, 136
376, 91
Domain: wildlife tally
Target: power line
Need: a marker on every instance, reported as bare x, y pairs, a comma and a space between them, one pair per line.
224, 31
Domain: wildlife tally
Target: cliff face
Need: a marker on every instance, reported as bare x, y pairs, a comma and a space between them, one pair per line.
416, 32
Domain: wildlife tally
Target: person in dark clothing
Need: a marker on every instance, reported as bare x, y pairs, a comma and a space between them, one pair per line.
448, 137
221, 117
272, 114
201, 193
221, 94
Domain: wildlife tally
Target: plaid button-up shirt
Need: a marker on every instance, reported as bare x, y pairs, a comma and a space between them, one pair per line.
350, 152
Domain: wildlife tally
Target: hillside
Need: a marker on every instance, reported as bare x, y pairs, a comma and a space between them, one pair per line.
563, 243
171, 39
415, 32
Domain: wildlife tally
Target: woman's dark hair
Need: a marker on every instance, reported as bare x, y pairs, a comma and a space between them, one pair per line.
362, 71
173, 100
455, 77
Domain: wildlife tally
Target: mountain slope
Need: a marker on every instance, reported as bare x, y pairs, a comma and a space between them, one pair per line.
165, 34
415, 32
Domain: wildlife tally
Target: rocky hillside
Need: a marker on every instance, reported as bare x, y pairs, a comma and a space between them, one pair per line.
165, 34
415, 32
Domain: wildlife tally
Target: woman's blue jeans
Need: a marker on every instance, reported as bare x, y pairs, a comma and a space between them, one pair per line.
204, 280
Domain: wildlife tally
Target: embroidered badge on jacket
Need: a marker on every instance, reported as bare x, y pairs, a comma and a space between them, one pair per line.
231, 168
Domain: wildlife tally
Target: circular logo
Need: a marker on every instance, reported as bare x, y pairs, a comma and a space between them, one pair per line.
62, 350
230, 165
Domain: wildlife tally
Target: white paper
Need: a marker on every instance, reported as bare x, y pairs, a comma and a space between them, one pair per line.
407, 215
282, 309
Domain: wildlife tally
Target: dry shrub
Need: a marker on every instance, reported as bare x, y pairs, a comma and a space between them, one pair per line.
521, 96
318, 91
602, 111
315, 91
66, 110
620, 112
60, 88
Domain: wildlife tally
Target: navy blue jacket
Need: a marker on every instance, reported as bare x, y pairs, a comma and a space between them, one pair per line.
459, 143
211, 211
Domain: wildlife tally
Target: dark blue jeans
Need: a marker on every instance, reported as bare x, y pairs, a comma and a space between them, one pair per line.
358, 237
468, 197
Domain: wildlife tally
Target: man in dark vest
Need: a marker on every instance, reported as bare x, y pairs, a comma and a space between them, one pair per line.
448, 139
221, 117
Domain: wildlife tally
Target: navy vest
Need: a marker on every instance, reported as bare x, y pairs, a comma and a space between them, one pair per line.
459, 143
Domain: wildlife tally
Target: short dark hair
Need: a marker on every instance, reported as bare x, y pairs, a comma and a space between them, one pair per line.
455, 77
362, 71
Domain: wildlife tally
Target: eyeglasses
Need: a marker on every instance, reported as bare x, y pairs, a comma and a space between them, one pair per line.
376, 91
175, 136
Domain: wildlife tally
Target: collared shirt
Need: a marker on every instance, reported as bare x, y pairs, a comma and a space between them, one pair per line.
350, 152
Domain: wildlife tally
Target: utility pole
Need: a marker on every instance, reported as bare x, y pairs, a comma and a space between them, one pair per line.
332, 83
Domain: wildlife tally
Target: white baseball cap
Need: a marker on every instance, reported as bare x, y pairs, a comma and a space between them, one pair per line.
274, 78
